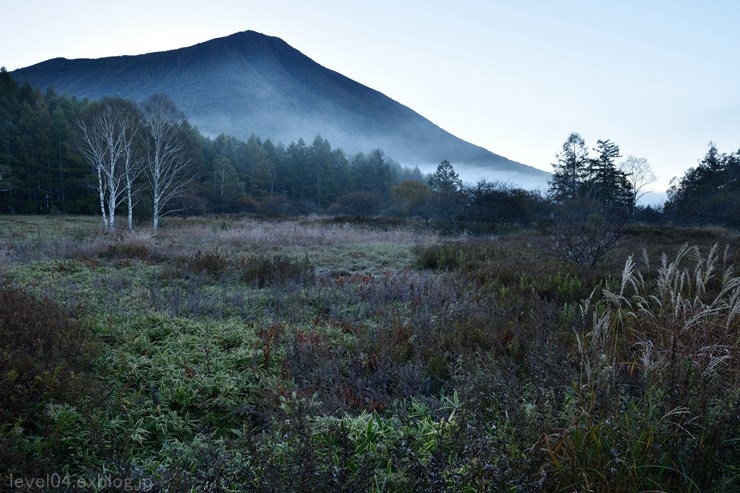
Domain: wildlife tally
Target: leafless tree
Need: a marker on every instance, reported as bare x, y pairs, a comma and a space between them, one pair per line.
584, 232
130, 119
107, 139
165, 164
639, 174
100, 144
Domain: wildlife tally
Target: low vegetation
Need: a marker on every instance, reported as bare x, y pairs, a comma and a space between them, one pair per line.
312, 355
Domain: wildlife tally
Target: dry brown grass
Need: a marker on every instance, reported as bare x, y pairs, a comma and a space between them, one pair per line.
267, 234
659, 375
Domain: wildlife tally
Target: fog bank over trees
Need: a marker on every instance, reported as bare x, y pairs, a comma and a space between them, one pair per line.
252, 83
60, 154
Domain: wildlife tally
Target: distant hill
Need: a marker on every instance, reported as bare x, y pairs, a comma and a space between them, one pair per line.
251, 83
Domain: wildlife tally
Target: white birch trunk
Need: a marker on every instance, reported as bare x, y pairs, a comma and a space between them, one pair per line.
155, 221
111, 202
157, 205
130, 205
101, 190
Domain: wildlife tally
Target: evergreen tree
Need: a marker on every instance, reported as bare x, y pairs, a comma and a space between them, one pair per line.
227, 187
361, 173
382, 176
577, 176
445, 180
570, 170
342, 174
605, 183
447, 201
320, 161
260, 168
708, 193
297, 156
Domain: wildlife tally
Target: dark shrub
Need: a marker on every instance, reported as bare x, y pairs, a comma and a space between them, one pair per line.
212, 263
276, 270
127, 250
446, 256
41, 355
42, 360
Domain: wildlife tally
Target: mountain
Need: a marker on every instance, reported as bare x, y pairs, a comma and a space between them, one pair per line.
252, 83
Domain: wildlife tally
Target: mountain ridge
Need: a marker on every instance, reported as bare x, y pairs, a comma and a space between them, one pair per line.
253, 83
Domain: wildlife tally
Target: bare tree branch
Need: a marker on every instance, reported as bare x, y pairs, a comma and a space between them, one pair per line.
639, 174
166, 163
107, 140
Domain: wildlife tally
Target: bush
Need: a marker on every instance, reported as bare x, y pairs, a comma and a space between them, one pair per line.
656, 404
127, 250
447, 256
43, 361
584, 232
41, 356
131, 245
276, 270
212, 263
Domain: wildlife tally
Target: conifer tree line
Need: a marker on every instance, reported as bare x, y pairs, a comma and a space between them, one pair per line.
708, 193
579, 175
64, 155
60, 154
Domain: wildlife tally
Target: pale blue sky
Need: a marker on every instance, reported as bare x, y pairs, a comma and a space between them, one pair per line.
659, 78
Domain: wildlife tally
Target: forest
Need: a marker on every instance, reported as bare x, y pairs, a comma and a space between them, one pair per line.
44, 170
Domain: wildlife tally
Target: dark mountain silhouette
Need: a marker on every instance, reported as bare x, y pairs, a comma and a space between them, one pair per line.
251, 83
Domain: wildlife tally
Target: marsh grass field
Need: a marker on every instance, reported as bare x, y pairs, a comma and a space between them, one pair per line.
321, 354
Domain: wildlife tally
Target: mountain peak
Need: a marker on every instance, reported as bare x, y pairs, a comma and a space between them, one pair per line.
246, 38
249, 82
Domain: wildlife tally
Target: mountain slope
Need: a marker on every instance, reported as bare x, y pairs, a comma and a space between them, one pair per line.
251, 83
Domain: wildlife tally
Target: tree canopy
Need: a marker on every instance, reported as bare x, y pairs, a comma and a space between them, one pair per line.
44, 169
580, 176
708, 193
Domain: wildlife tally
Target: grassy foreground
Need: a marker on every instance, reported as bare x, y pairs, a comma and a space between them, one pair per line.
233, 354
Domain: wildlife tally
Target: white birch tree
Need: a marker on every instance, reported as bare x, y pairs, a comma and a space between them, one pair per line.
92, 146
639, 174
100, 144
166, 164
130, 127
107, 140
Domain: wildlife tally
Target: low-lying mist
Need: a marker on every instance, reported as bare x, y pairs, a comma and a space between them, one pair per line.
404, 151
